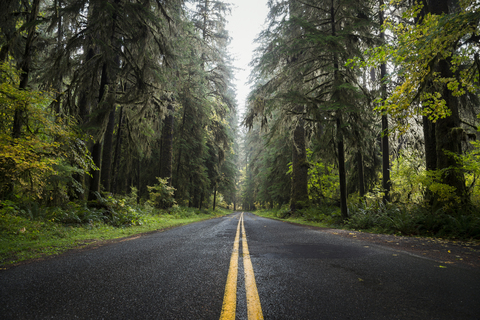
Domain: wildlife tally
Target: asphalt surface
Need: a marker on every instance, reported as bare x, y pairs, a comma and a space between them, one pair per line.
181, 274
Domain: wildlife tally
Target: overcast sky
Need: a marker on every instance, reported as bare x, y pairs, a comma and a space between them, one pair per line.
245, 23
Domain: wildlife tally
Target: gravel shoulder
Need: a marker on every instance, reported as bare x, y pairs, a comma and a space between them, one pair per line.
446, 252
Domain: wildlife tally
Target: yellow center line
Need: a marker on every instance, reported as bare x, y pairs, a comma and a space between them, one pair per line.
230, 297
254, 309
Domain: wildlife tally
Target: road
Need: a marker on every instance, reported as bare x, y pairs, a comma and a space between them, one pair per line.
181, 273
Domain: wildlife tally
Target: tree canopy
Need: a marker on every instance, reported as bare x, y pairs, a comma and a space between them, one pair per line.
359, 110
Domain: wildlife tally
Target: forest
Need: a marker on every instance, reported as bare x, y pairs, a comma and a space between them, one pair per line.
113, 97
362, 114
365, 113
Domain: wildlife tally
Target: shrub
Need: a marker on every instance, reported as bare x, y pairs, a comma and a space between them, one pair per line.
161, 194
414, 220
326, 214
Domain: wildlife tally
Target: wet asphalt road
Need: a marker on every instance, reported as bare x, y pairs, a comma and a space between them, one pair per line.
181, 274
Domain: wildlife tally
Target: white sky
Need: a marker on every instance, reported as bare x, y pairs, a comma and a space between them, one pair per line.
245, 23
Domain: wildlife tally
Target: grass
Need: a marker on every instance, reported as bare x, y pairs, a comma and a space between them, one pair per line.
25, 238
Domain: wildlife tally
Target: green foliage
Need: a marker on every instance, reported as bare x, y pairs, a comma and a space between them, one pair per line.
407, 173
411, 183
283, 212
329, 215
323, 216
77, 214
184, 212
415, 220
22, 237
161, 194
38, 165
471, 164
416, 51
445, 195
323, 182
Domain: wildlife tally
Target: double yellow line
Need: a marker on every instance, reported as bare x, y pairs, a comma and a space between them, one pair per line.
254, 309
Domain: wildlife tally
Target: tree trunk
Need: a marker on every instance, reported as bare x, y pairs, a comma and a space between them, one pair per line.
95, 178
235, 194
214, 197
139, 185
9, 26
299, 191
430, 144
341, 169
58, 86
336, 97
109, 73
84, 105
118, 147
361, 177
167, 145
428, 127
180, 135
106, 172
386, 182
448, 141
97, 147
18, 120
447, 130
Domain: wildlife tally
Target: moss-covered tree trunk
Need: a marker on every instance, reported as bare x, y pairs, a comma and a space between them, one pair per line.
118, 148
361, 175
448, 135
299, 193
167, 145
94, 186
336, 97
448, 132
18, 120
341, 168
386, 182
106, 105
214, 197
106, 173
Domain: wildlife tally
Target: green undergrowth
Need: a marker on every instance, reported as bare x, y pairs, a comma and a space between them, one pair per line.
415, 220
325, 217
398, 219
28, 231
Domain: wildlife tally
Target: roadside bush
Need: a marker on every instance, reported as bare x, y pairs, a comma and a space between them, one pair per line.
182, 212
118, 212
161, 194
283, 212
326, 214
413, 220
75, 213
109, 210
11, 224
